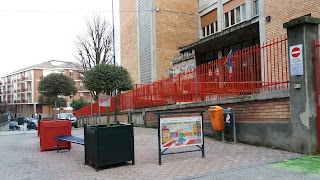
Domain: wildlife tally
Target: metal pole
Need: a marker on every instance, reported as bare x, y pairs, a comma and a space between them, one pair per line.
114, 63
91, 105
99, 114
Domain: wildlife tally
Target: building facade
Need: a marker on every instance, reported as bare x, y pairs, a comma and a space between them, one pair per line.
151, 32
233, 25
19, 89
191, 33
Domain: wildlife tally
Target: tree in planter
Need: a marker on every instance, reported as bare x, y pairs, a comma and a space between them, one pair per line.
95, 45
61, 102
105, 78
56, 84
78, 104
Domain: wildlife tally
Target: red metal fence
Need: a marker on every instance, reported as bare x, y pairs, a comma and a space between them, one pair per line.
254, 70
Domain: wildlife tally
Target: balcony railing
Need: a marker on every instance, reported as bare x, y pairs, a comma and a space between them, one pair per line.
24, 101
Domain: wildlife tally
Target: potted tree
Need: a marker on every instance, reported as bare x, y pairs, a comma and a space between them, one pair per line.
108, 144
52, 86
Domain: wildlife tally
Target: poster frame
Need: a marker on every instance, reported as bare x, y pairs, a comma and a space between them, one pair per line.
162, 151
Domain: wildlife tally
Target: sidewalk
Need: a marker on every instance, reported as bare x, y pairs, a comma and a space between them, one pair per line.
21, 159
23, 130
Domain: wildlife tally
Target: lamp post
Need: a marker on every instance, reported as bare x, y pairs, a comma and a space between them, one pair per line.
114, 63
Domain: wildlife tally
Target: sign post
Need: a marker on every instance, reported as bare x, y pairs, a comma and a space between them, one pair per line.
179, 132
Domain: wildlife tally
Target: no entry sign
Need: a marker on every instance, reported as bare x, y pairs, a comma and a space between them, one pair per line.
296, 60
295, 52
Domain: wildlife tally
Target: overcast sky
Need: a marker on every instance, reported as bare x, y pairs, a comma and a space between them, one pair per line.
35, 31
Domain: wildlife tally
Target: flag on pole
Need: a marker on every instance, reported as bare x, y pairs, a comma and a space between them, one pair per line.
229, 61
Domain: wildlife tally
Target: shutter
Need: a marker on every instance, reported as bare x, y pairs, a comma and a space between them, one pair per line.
144, 24
209, 18
232, 5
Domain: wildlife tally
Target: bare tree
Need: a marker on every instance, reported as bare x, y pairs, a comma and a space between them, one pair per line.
95, 46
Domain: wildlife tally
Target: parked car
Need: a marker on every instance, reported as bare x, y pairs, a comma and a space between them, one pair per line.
69, 116
27, 119
13, 125
32, 124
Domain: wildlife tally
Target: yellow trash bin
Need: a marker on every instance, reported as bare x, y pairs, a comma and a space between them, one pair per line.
216, 116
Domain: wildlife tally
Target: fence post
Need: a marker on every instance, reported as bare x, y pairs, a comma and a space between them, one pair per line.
301, 33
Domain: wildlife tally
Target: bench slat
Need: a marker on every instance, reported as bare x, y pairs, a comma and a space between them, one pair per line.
70, 138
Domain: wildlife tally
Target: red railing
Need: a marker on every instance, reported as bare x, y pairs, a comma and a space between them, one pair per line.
254, 70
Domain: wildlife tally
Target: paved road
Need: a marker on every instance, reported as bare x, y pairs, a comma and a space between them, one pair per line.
21, 159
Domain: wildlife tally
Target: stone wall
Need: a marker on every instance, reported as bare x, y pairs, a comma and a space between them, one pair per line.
260, 119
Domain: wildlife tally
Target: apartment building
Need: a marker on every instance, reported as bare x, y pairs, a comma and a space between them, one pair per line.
227, 25
19, 89
150, 32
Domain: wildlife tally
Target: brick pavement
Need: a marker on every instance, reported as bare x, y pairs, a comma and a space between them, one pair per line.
21, 159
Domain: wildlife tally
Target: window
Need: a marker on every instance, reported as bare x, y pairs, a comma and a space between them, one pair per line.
214, 27
255, 7
226, 18
238, 15
208, 22
71, 73
243, 7
204, 32
235, 16
232, 17
81, 94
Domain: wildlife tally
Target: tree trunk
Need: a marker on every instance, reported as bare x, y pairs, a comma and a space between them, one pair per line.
49, 110
108, 118
55, 109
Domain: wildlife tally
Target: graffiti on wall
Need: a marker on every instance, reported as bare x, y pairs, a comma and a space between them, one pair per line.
184, 66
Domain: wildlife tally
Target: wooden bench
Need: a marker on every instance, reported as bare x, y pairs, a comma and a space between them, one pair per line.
69, 139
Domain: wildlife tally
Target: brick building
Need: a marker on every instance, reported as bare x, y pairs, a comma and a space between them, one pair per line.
238, 24
153, 33
19, 89
264, 118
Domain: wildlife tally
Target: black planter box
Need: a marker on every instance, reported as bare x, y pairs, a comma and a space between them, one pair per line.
106, 145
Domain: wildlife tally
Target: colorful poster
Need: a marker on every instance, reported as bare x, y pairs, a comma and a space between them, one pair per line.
104, 100
181, 131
